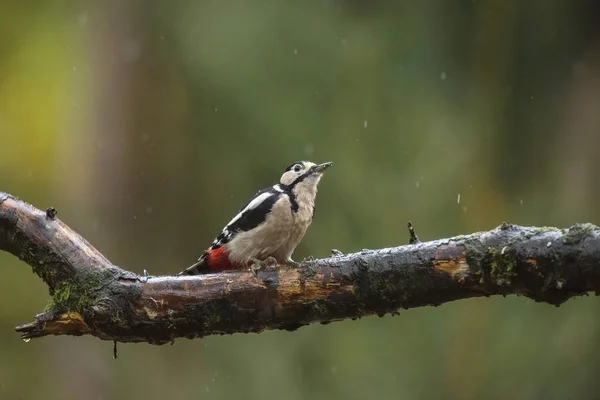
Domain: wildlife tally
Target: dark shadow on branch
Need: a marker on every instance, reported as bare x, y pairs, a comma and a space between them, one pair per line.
92, 296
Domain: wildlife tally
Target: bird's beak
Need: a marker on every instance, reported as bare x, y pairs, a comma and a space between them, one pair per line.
322, 167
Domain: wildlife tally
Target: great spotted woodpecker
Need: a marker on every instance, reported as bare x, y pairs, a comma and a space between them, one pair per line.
268, 228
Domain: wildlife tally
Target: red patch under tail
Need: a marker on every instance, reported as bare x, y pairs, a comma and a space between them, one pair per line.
217, 260
212, 261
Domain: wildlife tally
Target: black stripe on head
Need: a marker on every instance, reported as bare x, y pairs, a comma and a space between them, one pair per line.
301, 178
292, 165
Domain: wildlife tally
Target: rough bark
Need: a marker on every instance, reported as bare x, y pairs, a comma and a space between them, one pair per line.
92, 296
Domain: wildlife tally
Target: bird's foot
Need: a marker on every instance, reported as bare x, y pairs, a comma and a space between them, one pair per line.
336, 253
292, 263
296, 264
307, 260
267, 263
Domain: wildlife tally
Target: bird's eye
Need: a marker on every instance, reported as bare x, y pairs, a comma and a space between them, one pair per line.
297, 167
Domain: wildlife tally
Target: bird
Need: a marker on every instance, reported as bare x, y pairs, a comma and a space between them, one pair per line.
269, 227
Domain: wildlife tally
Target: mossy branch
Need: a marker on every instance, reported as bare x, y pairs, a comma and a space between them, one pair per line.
92, 296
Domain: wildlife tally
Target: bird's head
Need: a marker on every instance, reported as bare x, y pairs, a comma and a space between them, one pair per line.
304, 174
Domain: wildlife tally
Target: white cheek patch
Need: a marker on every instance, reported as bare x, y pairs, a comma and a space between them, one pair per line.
253, 204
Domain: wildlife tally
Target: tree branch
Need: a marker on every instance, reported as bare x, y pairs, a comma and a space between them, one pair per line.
92, 296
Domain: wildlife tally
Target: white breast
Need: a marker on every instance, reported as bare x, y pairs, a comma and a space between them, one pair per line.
280, 233
264, 240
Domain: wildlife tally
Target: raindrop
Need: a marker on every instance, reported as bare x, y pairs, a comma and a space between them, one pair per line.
365, 123
458, 199
443, 76
295, 51
417, 184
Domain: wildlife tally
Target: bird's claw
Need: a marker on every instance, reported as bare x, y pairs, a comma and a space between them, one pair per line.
267, 263
296, 264
336, 253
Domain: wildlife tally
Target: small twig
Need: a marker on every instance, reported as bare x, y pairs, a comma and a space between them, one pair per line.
414, 239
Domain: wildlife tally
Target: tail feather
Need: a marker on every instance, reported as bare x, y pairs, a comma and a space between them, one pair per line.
198, 268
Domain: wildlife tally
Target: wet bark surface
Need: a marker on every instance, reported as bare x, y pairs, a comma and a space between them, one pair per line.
90, 295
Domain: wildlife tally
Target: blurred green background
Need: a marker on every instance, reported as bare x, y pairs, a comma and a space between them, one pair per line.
147, 124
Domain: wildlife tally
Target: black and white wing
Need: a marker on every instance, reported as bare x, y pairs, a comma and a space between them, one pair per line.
253, 213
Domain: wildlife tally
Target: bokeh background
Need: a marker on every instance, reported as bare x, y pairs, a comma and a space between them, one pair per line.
147, 124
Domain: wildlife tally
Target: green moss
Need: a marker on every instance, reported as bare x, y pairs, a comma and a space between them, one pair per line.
316, 308
470, 236
44, 272
503, 266
535, 231
43, 262
76, 294
543, 229
473, 256
213, 319
474, 260
578, 232
209, 313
